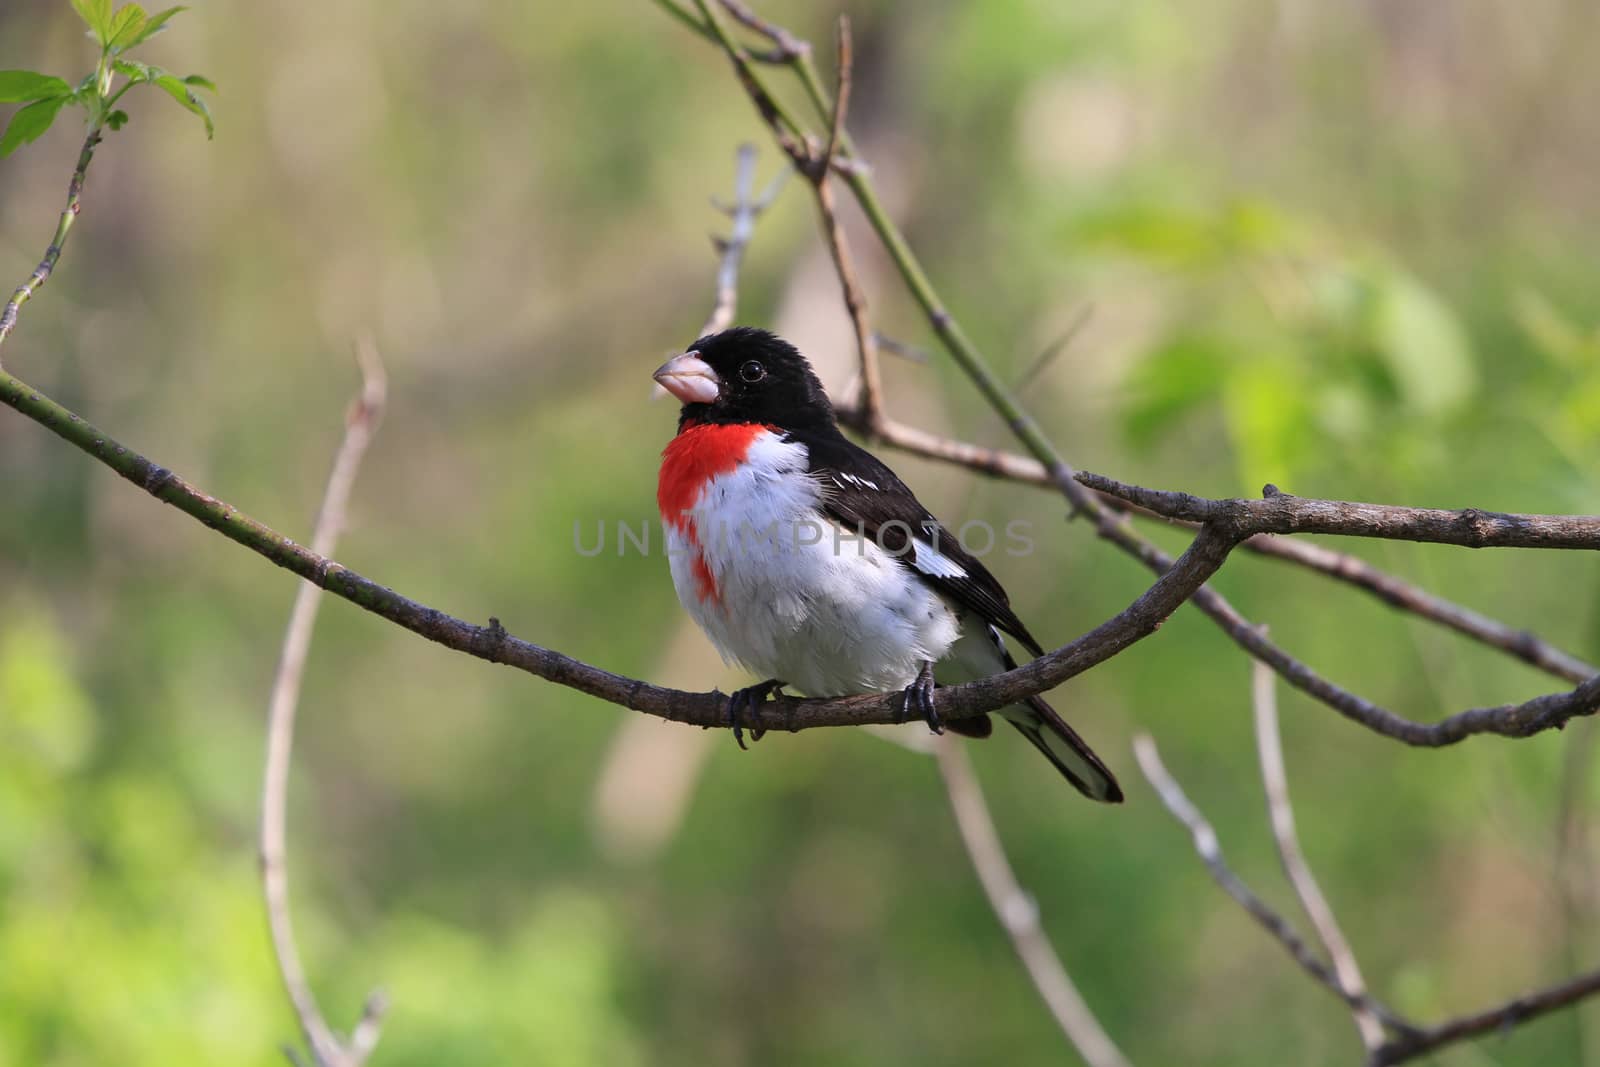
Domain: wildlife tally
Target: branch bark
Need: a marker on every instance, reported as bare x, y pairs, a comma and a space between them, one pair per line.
58, 241
1493, 1020
1278, 512
1140, 619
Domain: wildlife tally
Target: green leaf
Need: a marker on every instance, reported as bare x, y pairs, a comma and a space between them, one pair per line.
136, 71
18, 86
126, 25
117, 119
29, 124
97, 14
185, 96
200, 82
153, 25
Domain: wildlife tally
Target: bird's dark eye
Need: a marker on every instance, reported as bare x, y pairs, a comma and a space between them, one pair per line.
752, 372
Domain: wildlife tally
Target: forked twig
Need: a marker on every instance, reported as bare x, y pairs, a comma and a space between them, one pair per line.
1209, 850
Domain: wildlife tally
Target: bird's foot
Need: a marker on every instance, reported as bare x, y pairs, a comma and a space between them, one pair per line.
918, 697
743, 702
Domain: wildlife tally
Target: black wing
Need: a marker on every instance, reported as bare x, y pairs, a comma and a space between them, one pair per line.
861, 493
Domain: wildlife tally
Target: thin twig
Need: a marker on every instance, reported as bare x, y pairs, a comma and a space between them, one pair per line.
1400, 594
1209, 849
790, 46
788, 130
58, 241
904, 350
744, 211
839, 247
1017, 911
1054, 349
327, 1048
841, 94
1280, 812
1573, 865
690, 21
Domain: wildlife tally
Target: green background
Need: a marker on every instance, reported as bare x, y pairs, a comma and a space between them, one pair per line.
1348, 249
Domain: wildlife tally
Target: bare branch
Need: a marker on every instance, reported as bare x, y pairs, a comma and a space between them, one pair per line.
1210, 852
744, 211
1281, 513
58, 241
1397, 593
1549, 712
693, 22
1269, 746
844, 265
789, 46
1521, 644
327, 1049
1239, 519
789, 131
1408, 1041
1495, 1020
1017, 911
841, 92
493, 643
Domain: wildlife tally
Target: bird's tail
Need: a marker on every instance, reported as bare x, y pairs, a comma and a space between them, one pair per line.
1061, 745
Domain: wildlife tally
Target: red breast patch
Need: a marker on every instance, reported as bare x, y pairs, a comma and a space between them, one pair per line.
699, 453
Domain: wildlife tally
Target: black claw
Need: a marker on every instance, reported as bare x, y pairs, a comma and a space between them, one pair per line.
745, 701
734, 718
919, 694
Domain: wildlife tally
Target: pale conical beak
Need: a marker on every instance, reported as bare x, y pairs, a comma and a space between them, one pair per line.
689, 378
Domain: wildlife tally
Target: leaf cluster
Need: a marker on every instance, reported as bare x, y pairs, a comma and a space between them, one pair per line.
117, 32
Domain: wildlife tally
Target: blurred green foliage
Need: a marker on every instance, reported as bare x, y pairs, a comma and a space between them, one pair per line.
1343, 248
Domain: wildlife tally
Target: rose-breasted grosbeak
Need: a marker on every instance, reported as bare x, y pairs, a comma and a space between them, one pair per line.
804, 558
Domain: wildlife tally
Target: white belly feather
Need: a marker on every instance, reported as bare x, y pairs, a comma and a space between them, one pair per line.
796, 597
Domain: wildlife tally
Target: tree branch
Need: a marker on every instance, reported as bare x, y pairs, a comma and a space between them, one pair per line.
52, 254
1474, 527
327, 1048
1017, 911
1280, 813
1341, 566
1278, 512
1140, 619
1494, 1020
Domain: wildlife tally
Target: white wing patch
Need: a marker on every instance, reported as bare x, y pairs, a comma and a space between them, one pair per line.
859, 483
936, 564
